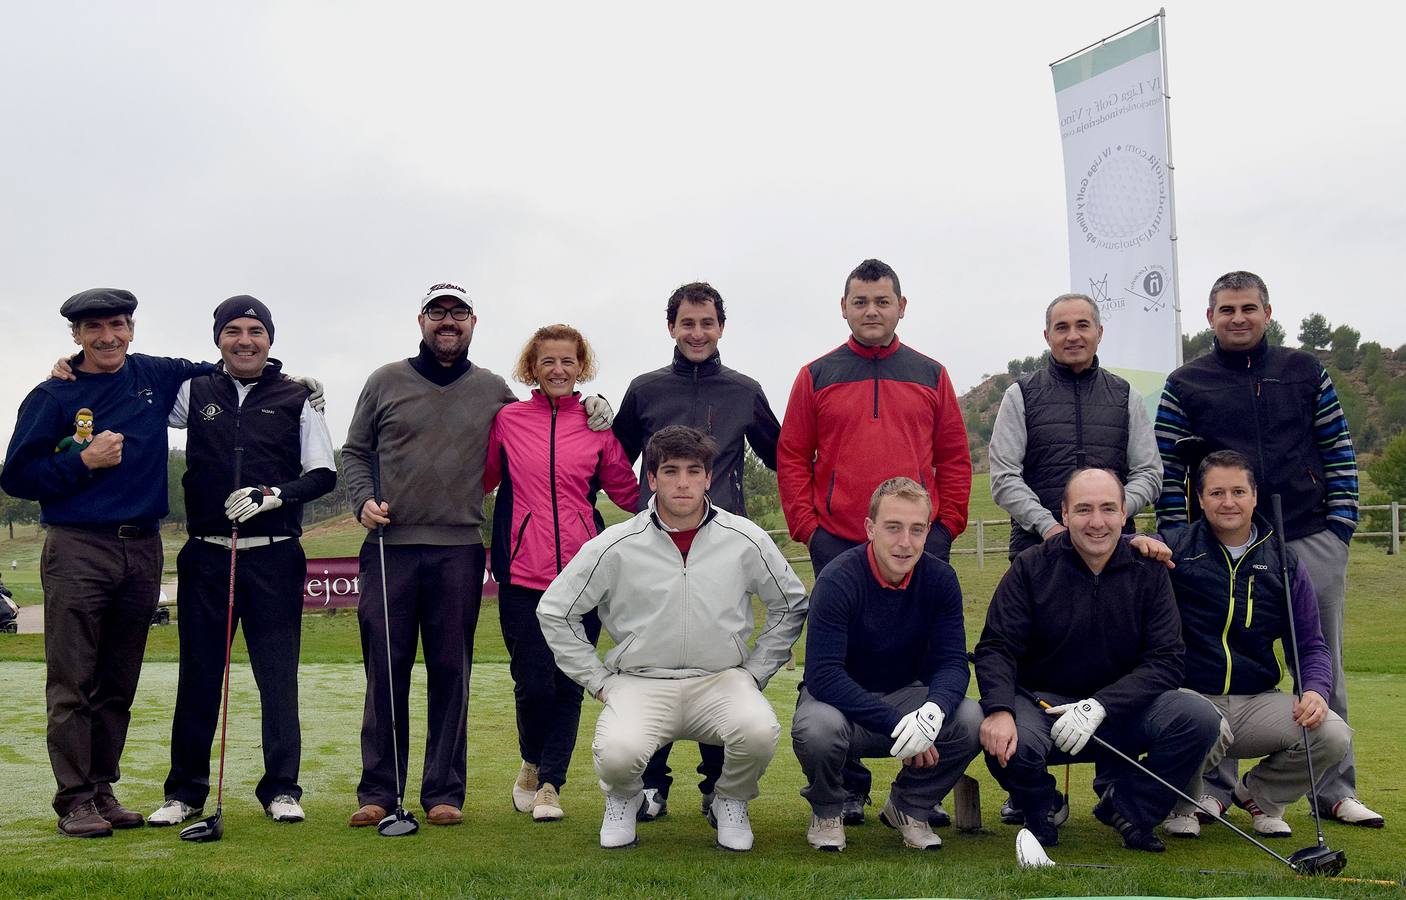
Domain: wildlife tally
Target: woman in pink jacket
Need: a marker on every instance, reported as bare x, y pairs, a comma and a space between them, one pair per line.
547, 466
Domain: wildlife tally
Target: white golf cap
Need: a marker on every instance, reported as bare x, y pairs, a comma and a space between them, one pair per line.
445, 289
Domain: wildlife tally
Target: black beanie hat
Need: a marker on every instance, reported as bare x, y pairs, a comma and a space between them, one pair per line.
242, 307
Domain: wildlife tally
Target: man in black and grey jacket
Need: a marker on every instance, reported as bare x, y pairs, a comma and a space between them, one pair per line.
256, 451
697, 390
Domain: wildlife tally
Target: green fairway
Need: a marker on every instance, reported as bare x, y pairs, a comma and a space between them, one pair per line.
500, 853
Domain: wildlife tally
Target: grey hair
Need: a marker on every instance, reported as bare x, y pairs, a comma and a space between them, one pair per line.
1238, 281
1049, 310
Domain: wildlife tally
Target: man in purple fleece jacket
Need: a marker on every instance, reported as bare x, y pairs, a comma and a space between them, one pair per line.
886, 673
1229, 591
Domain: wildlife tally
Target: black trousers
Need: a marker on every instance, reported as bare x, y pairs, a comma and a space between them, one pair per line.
268, 605
548, 703
1175, 731
99, 594
433, 595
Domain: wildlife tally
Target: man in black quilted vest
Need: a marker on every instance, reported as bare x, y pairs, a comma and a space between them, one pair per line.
256, 451
1070, 415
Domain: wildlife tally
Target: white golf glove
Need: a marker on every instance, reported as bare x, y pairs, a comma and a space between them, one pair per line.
599, 415
315, 398
917, 731
246, 503
1077, 723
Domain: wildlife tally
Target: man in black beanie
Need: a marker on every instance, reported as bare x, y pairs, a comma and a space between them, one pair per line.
256, 451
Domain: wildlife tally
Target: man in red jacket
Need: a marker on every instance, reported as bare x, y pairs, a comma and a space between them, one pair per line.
867, 411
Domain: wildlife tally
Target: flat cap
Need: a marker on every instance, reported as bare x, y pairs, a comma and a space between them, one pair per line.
98, 302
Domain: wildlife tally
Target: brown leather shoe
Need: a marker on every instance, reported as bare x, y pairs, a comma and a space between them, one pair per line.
120, 816
370, 814
444, 814
83, 821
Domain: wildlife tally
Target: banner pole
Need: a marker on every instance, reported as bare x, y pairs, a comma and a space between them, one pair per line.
1171, 188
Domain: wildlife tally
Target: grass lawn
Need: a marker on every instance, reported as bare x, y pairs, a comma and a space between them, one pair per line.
498, 852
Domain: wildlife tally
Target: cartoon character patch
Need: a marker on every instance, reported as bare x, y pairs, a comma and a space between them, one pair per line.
82, 433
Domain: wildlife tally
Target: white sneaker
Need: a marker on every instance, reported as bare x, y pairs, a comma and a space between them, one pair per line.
917, 833
1182, 825
1210, 808
729, 817
1264, 824
173, 812
826, 834
1351, 811
525, 788
655, 806
617, 826
284, 808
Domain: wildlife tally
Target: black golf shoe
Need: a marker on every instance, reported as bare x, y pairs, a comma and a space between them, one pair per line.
1134, 838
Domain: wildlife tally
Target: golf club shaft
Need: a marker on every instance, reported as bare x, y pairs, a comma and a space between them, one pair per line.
390, 676
1277, 503
229, 635
1165, 783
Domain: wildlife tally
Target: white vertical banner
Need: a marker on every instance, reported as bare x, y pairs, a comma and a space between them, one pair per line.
1118, 188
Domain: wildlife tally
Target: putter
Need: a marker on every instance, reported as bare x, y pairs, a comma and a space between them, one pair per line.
401, 822
1191, 450
212, 828
1318, 859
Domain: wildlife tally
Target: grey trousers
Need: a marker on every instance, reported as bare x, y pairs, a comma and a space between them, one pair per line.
1256, 725
825, 740
1324, 557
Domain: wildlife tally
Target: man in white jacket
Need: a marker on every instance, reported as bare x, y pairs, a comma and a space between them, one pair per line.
673, 588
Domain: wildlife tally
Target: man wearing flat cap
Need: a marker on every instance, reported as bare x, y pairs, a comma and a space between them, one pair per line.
101, 566
256, 451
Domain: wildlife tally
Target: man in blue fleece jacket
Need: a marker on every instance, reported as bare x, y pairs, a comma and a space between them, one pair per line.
886, 673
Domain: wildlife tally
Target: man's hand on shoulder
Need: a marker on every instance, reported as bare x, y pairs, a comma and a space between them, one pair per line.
63, 369
1152, 548
1053, 531
316, 398
599, 415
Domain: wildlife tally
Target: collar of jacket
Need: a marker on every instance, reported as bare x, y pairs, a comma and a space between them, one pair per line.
540, 398
868, 352
1240, 359
686, 367
708, 516
1065, 373
273, 370
1123, 554
1202, 537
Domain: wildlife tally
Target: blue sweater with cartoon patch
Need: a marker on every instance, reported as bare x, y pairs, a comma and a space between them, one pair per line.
134, 401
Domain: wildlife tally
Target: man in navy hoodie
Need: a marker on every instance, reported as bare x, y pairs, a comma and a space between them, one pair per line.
102, 501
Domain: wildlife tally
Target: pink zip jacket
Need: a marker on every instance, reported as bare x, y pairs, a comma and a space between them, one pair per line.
547, 465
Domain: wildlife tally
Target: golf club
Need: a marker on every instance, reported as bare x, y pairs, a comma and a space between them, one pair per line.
1029, 854
212, 828
1175, 790
1318, 858
401, 822
1191, 450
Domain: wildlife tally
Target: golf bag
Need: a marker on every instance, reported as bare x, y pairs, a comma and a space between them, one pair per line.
9, 611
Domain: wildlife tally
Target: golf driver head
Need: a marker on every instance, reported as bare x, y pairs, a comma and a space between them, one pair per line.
211, 828
1028, 852
398, 824
1319, 861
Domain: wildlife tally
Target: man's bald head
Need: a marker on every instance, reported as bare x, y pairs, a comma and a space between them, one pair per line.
1085, 480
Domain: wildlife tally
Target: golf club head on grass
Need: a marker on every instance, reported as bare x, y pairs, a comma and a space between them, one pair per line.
1319, 861
398, 824
1029, 854
211, 828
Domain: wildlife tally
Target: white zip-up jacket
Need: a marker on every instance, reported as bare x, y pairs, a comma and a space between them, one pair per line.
672, 619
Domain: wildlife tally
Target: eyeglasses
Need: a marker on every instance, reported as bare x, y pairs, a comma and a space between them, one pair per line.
459, 313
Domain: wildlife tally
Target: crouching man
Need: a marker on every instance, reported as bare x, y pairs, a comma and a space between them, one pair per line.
673, 587
886, 673
1085, 624
1229, 590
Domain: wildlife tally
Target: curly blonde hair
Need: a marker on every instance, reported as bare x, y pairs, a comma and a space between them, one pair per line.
527, 360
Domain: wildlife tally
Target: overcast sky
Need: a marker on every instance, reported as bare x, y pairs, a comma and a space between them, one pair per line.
576, 162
